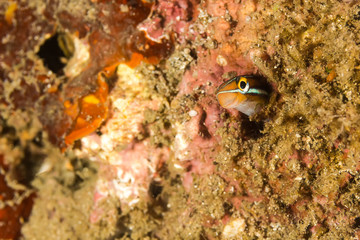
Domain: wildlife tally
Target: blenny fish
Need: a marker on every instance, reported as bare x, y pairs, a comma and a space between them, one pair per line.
248, 94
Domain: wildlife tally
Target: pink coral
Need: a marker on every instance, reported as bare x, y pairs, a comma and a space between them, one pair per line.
168, 18
233, 54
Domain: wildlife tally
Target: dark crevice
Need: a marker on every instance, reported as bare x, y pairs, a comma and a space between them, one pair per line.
356, 223
51, 54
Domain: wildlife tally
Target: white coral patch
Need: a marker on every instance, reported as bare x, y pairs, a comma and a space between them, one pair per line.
193, 113
181, 143
234, 229
125, 170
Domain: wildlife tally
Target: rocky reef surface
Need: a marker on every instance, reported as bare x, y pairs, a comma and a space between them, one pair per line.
110, 127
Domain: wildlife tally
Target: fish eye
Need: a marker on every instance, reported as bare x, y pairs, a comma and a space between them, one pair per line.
243, 84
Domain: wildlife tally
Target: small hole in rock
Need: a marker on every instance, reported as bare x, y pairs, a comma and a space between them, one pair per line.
356, 222
55, 51
155, 189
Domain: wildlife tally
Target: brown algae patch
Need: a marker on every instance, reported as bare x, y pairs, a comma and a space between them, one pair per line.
306, 161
